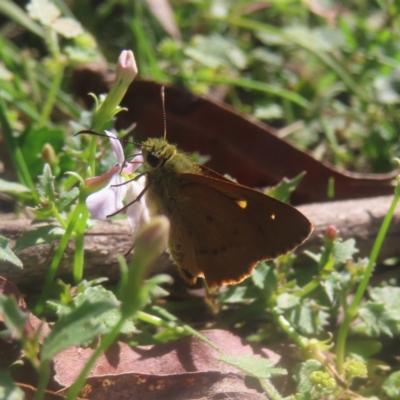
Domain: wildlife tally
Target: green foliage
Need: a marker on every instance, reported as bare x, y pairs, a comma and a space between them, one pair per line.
39, 235
261, 368
6, 254
8, 389
14, 318
381, 315
75, 328
313, 382
391, 386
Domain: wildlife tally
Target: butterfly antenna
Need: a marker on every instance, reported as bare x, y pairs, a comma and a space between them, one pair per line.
164, 112
92, 132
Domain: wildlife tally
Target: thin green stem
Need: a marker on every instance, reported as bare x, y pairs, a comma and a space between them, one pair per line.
52, 94
351, 311
57, 257
187, 328
270, 389
44, 376
107, 341
80, 247
156, 321
290, 331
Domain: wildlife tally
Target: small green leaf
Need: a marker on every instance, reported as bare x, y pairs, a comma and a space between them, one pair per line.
382, 314
391, 386
285, 188
13, 187
109, 318
260, 274
6, 254
364, 348
390, 297
40, 235
377, 319
8, 389
75, 328
237, 294
46, 184
287, 300
67, 198
261, 368
14, 318
344, 251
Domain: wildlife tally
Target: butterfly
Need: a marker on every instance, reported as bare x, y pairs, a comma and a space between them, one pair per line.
220, 229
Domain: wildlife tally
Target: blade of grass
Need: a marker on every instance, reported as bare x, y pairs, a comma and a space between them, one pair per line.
11, 10
15, 152
327, 59
55, 262
351, 311
255, 85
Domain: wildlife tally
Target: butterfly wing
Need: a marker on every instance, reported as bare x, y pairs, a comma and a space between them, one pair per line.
230, 229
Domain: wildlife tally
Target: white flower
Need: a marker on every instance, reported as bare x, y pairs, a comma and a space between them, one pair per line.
109, 195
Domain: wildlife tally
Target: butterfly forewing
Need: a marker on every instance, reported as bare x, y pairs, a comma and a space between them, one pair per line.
230, 229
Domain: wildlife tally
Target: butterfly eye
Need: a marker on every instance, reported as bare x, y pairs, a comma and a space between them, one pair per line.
153, 160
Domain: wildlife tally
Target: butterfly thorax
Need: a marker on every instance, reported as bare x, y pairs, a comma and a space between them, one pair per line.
164, 164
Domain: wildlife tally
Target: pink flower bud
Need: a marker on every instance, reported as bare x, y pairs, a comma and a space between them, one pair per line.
126, 68
331, 232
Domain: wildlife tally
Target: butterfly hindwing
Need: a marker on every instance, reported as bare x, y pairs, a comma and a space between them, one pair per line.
230, 229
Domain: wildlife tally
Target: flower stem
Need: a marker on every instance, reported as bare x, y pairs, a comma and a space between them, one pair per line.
107, 341
351, 311
57, 258
80, 247
51, 95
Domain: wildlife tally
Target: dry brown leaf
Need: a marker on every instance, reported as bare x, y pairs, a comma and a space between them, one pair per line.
166, 369
194, 385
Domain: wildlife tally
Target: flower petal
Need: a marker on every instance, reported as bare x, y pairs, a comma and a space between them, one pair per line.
107, 200
99, 182
132, 166
117, 147
137, 213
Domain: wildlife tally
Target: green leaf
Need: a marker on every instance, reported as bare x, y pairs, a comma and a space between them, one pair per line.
309, 318
344, 251
382, 314
264, 278
6, 254
260, 275
376, 320
32, 142
237, 294
8, 389
40, 235
46, 184
261, 368
285, 188
14, 318
67, 198
13, 187
391, 386
390, 297
75, 328
364, 348
109, 318
287, 300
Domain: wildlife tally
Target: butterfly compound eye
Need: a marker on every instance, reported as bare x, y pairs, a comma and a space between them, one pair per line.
153, 160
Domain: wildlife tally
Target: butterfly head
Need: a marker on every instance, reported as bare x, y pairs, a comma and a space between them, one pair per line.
156, 152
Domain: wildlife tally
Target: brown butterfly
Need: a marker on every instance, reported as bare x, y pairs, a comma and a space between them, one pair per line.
220, 229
